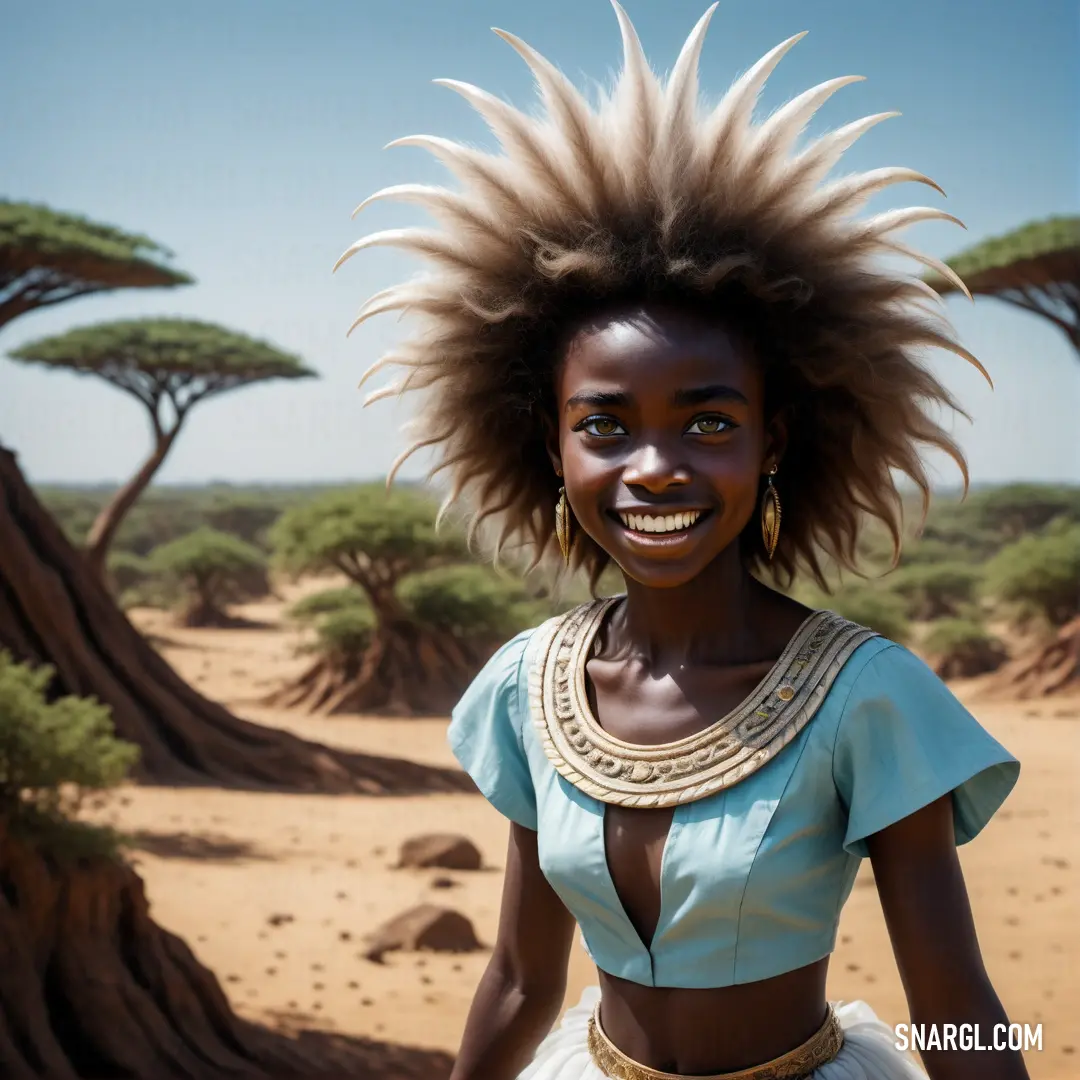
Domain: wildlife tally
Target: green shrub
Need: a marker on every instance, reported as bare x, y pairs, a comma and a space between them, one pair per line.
1013, 511
961, 648
126, 571
934, 590
927, 551
342, 619
211, 570
1039, 575
470, 602
344, 634
873, 607
328, 602
51, 754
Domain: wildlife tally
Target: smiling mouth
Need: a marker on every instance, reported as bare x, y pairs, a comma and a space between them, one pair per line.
660, 524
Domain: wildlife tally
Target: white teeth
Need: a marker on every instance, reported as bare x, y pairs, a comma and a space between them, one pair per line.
647, 523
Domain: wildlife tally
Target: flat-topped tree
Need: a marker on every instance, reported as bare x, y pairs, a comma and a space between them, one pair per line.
376, 538
47, 257
1035, 267
168, 366
54, 610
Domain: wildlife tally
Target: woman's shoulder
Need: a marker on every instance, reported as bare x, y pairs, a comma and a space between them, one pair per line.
881, 668
904, 739
506, 672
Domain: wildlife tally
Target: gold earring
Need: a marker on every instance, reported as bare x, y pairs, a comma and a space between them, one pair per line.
563, 528
770, 515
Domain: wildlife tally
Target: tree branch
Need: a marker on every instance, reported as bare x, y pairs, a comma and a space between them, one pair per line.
1023, 300
20, 303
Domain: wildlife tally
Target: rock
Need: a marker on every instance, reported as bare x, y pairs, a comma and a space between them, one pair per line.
449, 851
426, 926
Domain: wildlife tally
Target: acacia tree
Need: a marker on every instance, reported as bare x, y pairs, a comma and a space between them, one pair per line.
54, 611
168, 366
209, 570
471, 608
1035, 267
47, 257
377, 539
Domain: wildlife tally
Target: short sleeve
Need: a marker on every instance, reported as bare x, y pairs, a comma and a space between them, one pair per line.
485, 734
903, 741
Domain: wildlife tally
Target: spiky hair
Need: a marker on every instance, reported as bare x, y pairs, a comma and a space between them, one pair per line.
647, 196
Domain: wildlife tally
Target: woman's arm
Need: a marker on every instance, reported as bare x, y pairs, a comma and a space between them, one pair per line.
520, 995
929, 918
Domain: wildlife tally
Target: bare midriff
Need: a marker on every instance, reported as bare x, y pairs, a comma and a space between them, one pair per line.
716, 1030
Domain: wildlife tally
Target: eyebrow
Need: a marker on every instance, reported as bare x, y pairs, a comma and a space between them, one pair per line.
697, 395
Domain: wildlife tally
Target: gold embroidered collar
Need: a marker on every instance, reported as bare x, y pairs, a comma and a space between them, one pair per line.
727, 751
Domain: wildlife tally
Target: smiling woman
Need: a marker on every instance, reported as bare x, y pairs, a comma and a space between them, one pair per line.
670, 469
648, 328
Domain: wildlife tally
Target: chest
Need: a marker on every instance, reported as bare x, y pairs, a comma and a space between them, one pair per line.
698, 893
743, 872
645, 711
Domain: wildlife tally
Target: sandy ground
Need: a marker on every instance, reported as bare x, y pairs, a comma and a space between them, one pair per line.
221, 865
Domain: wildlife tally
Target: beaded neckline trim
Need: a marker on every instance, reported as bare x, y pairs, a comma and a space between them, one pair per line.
727, 751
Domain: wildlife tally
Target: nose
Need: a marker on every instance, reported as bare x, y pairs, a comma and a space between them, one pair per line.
655, 469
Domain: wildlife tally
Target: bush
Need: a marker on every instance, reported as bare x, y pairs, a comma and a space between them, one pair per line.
936, 589
1015, 510
343, 621
328, 602
51, 754
470, 602
1039, 575
961, 648
127, 571
346, 633
876, 608
212, 570
927, 551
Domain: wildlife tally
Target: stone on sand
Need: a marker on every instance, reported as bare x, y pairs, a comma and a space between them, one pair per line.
426, 926
448, 851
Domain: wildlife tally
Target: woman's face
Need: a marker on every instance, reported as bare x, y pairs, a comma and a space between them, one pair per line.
662, 439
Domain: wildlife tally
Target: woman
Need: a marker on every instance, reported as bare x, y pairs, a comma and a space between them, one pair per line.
659, 338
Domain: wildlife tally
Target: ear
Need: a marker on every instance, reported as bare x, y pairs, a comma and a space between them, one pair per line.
776, 441
551, 445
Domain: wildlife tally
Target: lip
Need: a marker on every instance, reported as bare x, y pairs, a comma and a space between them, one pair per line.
655, 509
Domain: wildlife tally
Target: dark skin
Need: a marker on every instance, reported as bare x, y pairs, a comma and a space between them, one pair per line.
661, 411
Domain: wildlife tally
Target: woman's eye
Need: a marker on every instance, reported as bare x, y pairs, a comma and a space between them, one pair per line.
602, 426
708, 425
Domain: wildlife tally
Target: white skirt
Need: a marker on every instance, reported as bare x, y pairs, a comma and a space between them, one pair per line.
869, 1051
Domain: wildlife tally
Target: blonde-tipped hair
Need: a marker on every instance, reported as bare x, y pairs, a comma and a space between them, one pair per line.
648, 197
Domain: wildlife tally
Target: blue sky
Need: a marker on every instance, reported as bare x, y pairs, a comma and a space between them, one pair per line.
242, 135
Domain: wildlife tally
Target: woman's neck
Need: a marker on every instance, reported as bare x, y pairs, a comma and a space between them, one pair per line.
723, 616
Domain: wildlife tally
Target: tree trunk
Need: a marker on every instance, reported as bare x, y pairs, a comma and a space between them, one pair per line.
408, 670
91, 987
53, 610
202, 611
100, 536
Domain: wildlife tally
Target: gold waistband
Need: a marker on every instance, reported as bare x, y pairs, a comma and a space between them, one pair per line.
796, 1064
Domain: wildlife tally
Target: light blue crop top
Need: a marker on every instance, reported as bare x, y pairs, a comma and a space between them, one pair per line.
753, 877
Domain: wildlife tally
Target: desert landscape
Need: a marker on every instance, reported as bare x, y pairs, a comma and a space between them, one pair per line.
233, 839
277, 894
